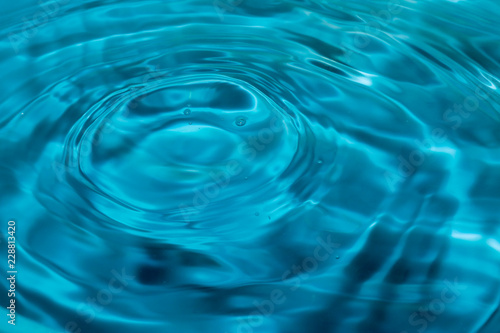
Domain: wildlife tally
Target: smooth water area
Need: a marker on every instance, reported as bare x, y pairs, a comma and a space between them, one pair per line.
251, 165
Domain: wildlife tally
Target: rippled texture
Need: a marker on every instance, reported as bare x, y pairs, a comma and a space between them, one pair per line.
252, 166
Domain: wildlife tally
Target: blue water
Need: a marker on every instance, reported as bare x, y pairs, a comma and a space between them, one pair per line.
251, 166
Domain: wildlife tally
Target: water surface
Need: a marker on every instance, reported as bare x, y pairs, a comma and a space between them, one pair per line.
252, 166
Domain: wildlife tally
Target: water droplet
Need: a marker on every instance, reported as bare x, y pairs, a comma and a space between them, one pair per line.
337, 257
240, 121
320, 161
246, 178
257, 214
187, 112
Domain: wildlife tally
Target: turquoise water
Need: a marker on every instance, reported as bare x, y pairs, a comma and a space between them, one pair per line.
251, 166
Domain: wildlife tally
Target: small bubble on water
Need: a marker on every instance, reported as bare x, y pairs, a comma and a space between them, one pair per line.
337, 257
320, 161
240, 122
187, 112
246, 178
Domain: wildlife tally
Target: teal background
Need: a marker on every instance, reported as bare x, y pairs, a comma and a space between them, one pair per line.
251, 166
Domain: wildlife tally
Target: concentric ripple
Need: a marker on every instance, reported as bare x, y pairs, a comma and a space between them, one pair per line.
252, 166
179, 149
